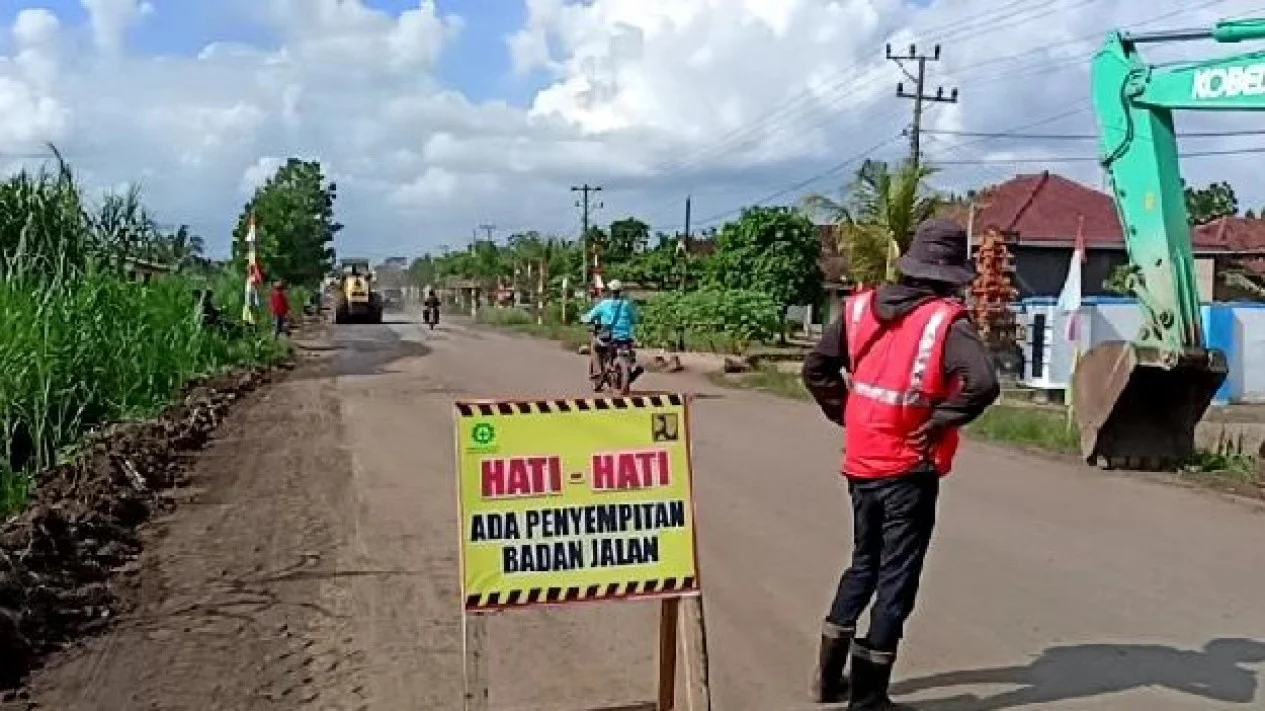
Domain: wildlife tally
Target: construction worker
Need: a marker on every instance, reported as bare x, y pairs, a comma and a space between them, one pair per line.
902, 369
279, 305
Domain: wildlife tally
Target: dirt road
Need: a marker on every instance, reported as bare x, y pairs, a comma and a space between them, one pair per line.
315, 567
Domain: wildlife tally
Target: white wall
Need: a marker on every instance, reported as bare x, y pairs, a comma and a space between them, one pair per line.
1113, 320
1249, 334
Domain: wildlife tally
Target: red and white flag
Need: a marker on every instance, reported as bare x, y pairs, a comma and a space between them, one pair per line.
1070, 298
254, 275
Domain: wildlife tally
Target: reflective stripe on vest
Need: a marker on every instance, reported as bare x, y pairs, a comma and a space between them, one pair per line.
896, 379
913, 397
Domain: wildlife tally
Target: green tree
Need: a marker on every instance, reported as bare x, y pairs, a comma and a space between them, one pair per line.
1213, 202
294, 216
772, 250
626, 238
877, 216
666, 266
422, 271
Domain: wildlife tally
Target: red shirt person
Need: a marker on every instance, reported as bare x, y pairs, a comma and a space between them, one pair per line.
279, 305
917, 371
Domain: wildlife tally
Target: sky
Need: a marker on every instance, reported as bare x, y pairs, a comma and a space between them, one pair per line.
436, 116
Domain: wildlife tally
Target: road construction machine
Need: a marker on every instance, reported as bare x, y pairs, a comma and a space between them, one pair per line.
357, 301
1137, 402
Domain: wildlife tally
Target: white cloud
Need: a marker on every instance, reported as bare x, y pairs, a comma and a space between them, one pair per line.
111, 19
731, 100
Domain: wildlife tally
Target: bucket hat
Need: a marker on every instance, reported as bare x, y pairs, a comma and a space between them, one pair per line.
938, 253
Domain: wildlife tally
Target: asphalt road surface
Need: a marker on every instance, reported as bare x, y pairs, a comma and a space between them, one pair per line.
315, 567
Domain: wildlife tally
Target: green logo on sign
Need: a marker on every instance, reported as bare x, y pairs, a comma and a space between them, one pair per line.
483, 433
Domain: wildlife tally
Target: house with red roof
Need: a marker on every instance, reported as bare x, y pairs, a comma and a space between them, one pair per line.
1042, 212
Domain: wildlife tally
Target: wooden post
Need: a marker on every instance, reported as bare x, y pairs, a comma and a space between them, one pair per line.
694, 641
475, 653
669, 617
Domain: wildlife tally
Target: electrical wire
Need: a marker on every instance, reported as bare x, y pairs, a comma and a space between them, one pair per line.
1086, 159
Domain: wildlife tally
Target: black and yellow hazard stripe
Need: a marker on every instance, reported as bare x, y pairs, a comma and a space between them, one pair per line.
547, 407
537, 596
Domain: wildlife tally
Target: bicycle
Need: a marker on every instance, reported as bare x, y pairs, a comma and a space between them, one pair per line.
616, 363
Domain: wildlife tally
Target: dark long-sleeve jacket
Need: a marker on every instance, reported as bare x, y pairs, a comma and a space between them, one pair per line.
966, 359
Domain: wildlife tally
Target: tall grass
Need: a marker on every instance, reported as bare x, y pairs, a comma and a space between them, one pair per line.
80, 344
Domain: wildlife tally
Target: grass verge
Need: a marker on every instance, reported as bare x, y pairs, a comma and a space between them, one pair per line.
571, 336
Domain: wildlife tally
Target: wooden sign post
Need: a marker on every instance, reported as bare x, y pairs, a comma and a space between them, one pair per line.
581, 500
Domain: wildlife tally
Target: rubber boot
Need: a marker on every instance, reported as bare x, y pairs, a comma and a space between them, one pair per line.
830, 684
871, 677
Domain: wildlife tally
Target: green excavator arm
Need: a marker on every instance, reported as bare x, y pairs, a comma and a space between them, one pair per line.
1137, 403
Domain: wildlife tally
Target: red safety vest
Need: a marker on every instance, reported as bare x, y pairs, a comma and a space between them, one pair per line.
897, 377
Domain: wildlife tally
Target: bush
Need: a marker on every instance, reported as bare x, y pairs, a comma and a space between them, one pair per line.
82, 345
720, 320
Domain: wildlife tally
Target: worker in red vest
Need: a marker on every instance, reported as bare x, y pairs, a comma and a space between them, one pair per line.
901, 369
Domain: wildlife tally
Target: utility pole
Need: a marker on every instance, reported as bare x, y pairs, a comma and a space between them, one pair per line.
686, 238
585, 190
487, 229
919, 95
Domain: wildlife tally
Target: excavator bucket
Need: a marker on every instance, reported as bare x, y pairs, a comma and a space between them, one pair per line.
1138, 410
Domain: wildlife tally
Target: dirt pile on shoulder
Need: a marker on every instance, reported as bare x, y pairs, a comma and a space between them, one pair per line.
80, 528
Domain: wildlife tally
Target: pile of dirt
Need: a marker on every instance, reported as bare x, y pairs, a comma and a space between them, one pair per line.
60, 557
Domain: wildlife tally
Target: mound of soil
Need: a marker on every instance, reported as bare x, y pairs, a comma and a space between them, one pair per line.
60, 556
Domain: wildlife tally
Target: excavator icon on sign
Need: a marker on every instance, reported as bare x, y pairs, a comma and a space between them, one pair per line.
665, 427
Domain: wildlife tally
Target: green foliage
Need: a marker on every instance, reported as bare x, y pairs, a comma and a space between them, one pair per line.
666, 266
626, 238
1041, 428
80, 344
721, 320
878, 214
294, 217
422, 271
47, 228
571, 336
773, 250
1204, 205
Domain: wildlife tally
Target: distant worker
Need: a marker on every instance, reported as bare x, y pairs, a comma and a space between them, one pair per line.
902, 370
616, 319
279, 305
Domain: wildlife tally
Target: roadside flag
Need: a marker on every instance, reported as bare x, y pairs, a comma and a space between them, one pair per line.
254, 275
1070, 303
1070, 298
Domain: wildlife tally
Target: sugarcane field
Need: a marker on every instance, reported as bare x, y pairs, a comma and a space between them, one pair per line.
597, 355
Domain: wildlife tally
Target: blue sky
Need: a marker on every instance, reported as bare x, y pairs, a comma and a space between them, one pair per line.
477, 63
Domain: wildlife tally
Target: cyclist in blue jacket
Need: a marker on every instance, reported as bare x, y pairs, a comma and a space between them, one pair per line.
617, 318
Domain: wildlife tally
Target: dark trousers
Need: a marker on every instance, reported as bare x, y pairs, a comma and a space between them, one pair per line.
892, 522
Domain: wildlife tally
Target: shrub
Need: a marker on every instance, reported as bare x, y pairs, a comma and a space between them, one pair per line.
721, 320
81, 345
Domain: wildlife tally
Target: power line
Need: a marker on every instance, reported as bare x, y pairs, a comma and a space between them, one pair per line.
1087, 159
806, 182
1086, 136
839, 86
840, 89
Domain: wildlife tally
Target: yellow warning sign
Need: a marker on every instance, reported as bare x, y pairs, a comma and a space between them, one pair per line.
571, 500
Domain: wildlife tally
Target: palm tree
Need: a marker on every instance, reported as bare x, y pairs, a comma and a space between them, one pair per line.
877, 215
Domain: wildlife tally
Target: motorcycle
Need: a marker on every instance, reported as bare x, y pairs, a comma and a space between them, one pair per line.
616, 363
430, 316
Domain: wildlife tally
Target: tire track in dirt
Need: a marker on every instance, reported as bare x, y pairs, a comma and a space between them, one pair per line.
230, 610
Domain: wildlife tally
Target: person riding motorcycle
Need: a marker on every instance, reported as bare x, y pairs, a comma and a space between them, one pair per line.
616, 319
431, 303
